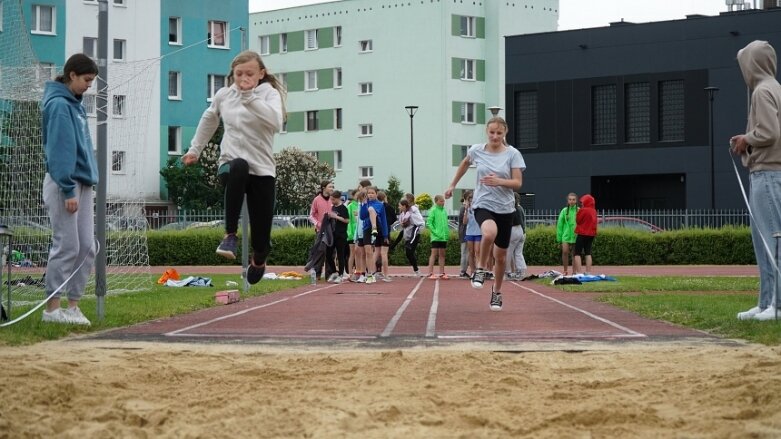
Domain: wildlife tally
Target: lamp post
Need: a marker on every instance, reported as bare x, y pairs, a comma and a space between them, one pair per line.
495, 110
711, 92
411, 110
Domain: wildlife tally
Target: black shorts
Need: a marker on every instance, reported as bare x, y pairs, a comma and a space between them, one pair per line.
504, 225
438, 244
350, 242
583, 245
367, 238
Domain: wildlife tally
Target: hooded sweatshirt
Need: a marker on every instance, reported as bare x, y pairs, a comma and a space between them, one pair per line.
586, 218
66, 139
565, 226
437, 223
763, 131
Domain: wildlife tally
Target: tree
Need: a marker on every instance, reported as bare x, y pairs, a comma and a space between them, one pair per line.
299, 174
196, 186
394, 193
21, 155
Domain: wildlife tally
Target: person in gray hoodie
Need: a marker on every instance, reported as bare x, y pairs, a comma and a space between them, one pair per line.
760, 151
71, 171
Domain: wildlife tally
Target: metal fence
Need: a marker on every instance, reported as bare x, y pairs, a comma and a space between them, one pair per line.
663, 219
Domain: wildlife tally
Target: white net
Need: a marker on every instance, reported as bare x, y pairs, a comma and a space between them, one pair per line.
22, 165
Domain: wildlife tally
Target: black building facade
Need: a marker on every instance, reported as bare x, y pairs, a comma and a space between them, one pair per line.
621, 112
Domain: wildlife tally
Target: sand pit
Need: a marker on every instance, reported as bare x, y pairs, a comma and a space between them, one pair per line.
84, 389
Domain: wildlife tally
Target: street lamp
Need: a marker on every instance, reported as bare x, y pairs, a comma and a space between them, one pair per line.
711, 92
411, 110
495, 110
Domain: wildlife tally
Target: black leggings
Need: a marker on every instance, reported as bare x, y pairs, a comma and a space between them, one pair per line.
237, 180
411, 246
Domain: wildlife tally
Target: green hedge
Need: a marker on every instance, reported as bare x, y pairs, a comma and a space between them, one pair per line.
726, 246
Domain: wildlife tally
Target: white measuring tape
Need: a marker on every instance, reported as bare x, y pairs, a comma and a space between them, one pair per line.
36, 307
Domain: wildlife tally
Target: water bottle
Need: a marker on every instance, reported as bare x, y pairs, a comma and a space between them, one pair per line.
313, 276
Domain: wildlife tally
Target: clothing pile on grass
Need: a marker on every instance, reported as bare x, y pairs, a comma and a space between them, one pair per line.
557, 278
171, 278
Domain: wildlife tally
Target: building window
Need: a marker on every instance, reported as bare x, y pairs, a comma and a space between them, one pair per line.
119, 3
45, 72
366, 130
366, 88
671, 111
468, 69
311, 80
174, 30
215, 82
366, 171
338, 77
43, 19
174, 85
338, 119
468, 26
118, 162
118, 109
174, 139
88, 101
459, 153
637, 107
310, 39
90, 47
120, 47
217, 34
283, 43
603, 114
366, 45
467, 112
337, 36
265, 45
526, 121
311, 120
338, 160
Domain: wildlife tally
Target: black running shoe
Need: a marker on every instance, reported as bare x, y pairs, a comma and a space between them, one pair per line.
478, 279
255, 273
496, 301
227, 247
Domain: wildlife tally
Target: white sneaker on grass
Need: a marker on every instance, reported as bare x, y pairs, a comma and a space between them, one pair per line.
74, 316
770, 313
55, 316
748, 315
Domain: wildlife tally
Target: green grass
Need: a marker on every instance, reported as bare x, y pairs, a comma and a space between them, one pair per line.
131, 308
712, 309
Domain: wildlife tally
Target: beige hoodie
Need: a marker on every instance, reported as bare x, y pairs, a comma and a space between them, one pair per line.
763, 132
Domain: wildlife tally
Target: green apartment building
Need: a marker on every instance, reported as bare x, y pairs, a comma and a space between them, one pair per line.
352, 66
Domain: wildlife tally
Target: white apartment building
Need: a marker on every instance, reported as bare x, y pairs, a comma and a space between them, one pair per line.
352, 66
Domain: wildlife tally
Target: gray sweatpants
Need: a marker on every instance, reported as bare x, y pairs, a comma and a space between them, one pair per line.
73, 240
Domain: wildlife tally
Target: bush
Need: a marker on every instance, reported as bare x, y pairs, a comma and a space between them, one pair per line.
725, 246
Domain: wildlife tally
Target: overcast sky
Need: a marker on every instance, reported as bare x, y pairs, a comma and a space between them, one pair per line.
576, 14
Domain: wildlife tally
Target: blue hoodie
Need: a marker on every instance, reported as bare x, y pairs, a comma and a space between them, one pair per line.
66, 140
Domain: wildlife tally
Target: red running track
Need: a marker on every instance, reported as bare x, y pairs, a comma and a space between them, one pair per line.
409, 311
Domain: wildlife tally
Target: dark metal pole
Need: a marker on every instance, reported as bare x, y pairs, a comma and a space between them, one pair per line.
411, 109
101, 102
711, 91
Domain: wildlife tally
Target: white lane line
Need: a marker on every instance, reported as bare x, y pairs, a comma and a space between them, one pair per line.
244, 311
281, 336
432, 313
395, 320
593, 316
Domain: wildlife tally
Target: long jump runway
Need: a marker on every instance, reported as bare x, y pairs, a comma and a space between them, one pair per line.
408, 312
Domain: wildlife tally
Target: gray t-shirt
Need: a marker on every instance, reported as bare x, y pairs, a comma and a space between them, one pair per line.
497, 199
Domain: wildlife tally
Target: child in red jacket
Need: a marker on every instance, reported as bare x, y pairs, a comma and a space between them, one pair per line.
586, 229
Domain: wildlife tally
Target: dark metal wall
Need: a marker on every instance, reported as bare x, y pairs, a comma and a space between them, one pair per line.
563, 66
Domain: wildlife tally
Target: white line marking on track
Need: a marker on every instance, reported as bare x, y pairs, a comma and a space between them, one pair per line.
630, 332
242, 312
395, 320
432, 313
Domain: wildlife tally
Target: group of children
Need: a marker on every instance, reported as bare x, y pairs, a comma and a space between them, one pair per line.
576, 227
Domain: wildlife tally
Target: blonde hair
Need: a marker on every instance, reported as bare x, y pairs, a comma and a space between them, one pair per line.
500, 121
439, 198
248, 56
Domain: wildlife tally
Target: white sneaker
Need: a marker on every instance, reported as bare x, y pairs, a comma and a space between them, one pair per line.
416, 273
748, 315
332, 278
55, 316
361, 279
74, 316
769, 313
